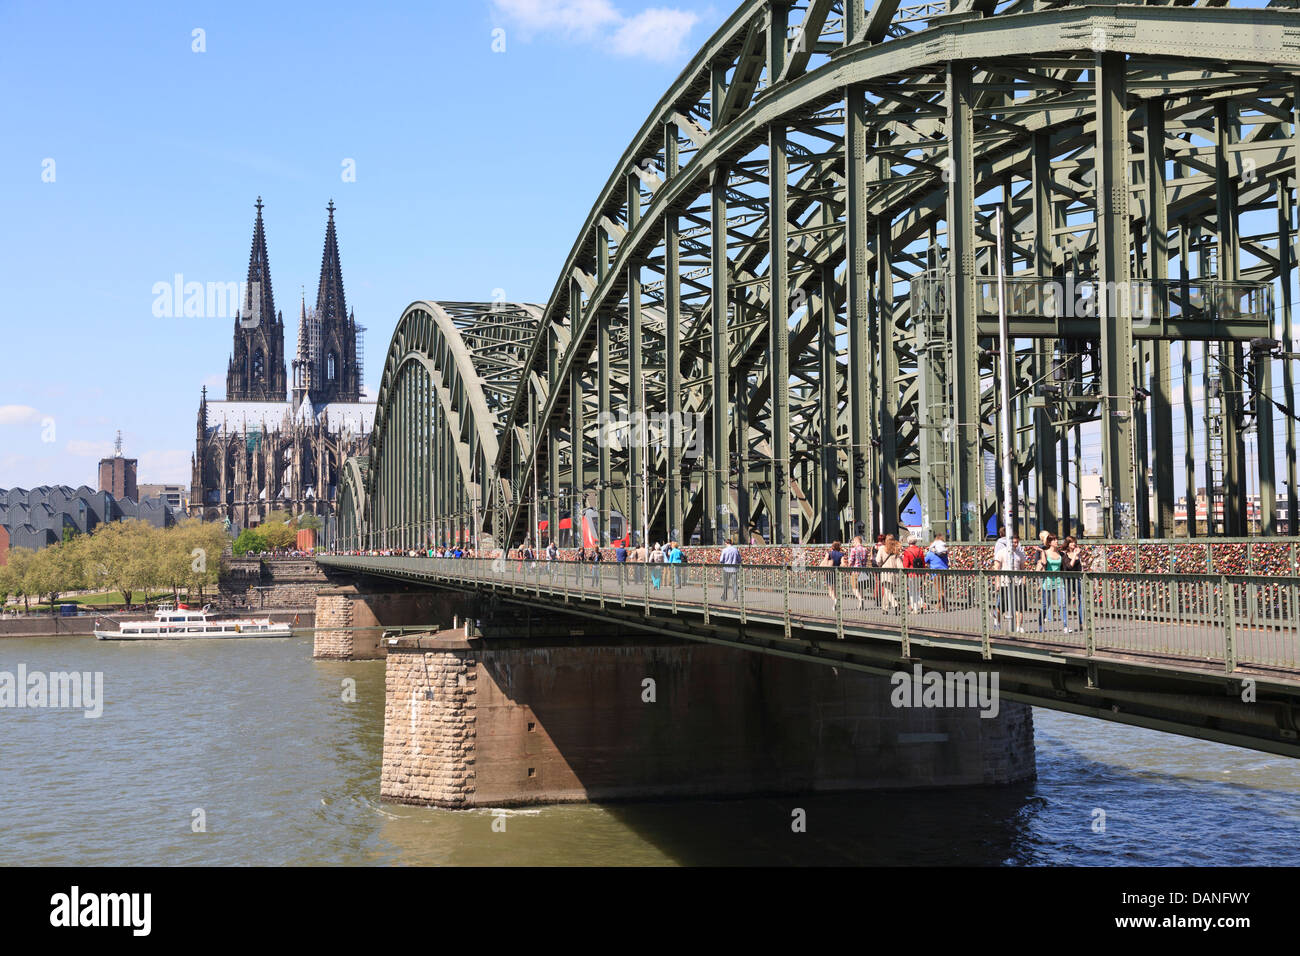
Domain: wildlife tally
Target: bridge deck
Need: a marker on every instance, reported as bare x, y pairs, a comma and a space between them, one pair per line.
1237, 624
1211, 656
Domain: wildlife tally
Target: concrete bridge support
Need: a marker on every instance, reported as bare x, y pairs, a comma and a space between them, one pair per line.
473, 721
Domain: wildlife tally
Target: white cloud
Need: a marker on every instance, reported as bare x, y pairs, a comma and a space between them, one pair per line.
657, 33
19, 415
90, 449
573, 17
165, 467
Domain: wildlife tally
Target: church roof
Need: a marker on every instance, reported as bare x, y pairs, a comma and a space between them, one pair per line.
356, 417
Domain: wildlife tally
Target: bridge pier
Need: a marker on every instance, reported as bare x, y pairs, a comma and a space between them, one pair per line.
473, 721
350, 620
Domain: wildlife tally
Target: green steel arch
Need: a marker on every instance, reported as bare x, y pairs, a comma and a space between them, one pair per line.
351, 503
450, 371
885, 139
791, 272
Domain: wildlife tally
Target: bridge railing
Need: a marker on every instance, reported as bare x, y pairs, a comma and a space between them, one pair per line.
1253, 555
1220, 620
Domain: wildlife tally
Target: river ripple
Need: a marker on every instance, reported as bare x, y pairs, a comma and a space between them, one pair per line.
256, 735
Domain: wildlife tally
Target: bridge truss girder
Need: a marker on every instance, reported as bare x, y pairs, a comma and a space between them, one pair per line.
750, 272
450, 372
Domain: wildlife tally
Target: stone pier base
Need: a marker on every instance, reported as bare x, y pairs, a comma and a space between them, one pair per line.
489, 722
350, 621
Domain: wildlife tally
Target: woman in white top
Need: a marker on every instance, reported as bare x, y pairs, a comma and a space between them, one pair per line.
1011, 595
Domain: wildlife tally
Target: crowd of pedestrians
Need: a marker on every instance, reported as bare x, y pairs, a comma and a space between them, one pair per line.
884, 572
1059, 595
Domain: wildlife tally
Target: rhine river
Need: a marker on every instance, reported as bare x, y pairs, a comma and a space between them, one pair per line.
256, 735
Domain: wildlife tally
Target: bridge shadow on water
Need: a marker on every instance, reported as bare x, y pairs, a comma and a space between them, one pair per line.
1167, 801
1175, 815
976, 826
971, 826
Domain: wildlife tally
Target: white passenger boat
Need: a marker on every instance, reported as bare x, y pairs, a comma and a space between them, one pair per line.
180, 622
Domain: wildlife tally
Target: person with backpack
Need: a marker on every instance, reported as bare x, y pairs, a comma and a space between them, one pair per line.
913, 561
834, 558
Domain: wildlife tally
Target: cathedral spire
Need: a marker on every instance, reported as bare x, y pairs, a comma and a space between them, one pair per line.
257, 371
302, 365
334, 351
330, 305
259, 301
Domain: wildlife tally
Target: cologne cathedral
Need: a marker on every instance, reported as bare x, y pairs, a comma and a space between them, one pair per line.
264, 448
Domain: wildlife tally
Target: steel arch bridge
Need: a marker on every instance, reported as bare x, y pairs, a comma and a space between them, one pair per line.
782, 309
450, 373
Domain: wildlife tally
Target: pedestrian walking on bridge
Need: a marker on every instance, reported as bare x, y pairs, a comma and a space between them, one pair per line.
859, 558
656, 565
639, 555
832, 562
730, 561
676, 558
1072, 562
1053, 587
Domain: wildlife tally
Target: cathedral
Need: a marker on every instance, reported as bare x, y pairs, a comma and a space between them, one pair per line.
263, 448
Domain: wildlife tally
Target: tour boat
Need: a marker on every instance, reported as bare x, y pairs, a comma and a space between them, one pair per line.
181, 622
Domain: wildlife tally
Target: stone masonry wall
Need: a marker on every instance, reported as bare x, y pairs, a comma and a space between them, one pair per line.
1007, 744
333, 610
429, 726
277, 583
368, 613
487, 722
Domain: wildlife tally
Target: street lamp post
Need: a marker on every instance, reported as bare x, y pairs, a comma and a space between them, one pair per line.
1007, 363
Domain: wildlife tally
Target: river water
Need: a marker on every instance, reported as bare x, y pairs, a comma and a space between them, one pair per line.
254, 739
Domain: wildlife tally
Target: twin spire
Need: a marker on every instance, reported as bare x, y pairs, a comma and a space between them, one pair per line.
329, 295
259, 302
325, 367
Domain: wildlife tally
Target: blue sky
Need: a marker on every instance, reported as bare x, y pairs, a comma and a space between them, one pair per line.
473, 171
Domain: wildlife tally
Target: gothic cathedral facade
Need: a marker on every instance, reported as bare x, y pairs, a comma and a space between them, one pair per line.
264, 447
